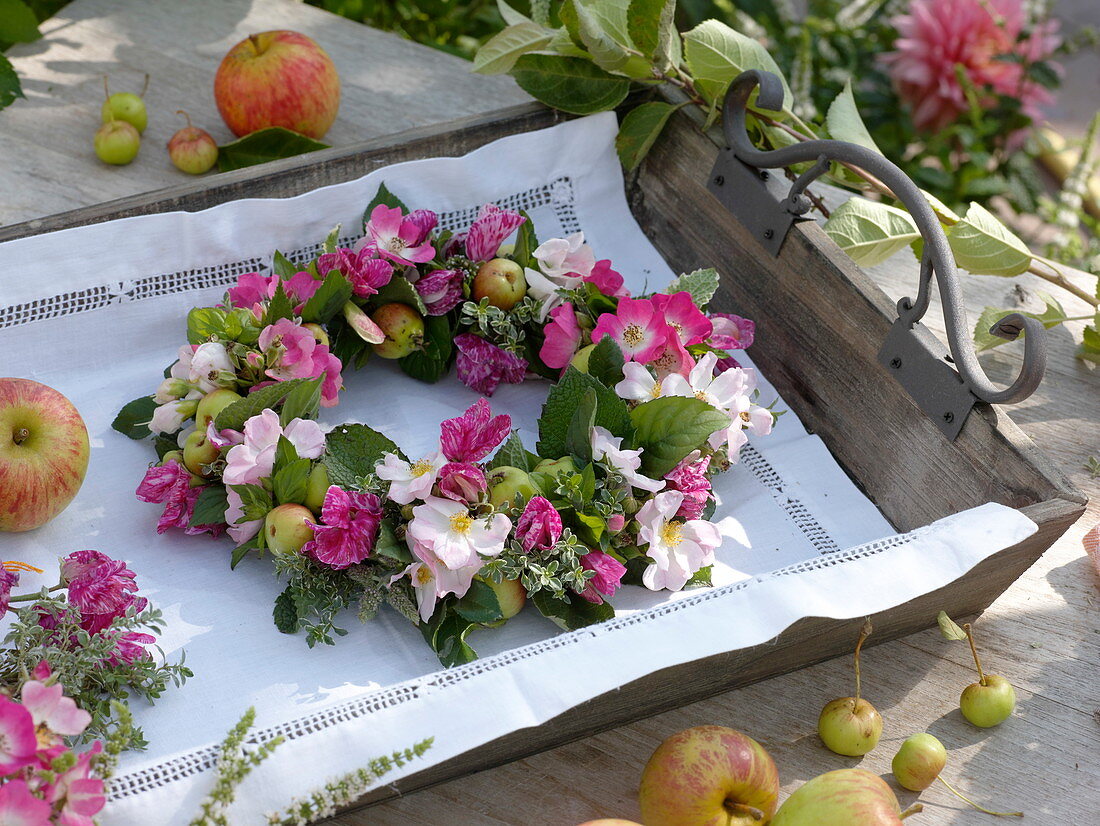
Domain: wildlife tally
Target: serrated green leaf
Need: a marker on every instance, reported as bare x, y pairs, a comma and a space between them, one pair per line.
446, 633
205, 324
984, 246
564, 398
18, 23
255, 501
302, 402
280, 306
870, 231
285, 613
702, 284
605, 362
639, 131
500, 53
605, 49
942, 210
210, 507
401, 290
291, 481
479, 604
383, 197
234, 416
329, 299
1053, 314
283, 266
431, 363
10, 87
573, 612
716, 54
353, 450
570, 84
949, 628
133, 419
670, 428
388, 545
578, 441
651, 26
1089, 349
701, 578
513, 454
845, 123
265, 145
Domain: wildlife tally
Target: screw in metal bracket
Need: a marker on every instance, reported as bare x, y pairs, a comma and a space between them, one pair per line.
719, 180
769, 234
949, 417
895, 363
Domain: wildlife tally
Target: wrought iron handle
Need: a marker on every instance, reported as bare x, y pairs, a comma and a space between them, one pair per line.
937, 259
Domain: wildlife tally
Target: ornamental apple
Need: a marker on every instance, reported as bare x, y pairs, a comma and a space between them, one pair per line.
511, 595
287, 528
277, 78
192, 150
403, 328
125, 106
845, 797
709, 776
610, 821
316, 488
554, 467
43, 453
198, 452
506, 483
850, 725
991, 700
919, 762
501, 281
116, 143
212, 404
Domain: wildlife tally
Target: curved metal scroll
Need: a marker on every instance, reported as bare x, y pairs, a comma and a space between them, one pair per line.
937, 258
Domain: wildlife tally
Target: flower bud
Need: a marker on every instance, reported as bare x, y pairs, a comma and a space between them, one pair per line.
539, 525
462, 482
616, 522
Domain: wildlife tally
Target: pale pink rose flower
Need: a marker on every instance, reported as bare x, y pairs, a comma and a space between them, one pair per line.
678, 549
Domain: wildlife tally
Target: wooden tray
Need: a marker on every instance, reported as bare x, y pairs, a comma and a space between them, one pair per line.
824, 321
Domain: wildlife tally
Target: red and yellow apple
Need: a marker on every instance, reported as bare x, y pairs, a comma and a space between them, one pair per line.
845, 797
43, 454
277, 78
709, 776
610, 821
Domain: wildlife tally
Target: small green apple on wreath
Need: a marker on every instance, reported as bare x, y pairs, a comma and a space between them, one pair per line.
646, 405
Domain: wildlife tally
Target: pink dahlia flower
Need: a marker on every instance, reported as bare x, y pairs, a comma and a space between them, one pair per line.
562, 337
608, 578
539, 525
399, 237
170, 485
984, 37
441, 290
462, 482
637, 326
21, 808
100, 588
606, 280
482, 366
475, 434
365, 272
489, 230
348, 529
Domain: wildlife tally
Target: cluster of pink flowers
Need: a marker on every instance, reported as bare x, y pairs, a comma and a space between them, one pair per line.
42, 781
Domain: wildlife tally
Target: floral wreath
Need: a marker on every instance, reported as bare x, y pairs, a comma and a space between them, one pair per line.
646, 405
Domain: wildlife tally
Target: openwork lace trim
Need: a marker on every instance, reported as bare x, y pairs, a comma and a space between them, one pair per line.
558, 194
795, 509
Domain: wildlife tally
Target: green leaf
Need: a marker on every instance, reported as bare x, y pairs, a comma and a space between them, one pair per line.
1053, 315
265, 145
949, 628
302, 402
605, 49
578, 441
573, 612
564, 398
331, 240
984, 246
10, 88
291, 481
651, 26
510, 15
702, 284
716, 54
942, 210
285, 612
500, 53
353, 450
210, 507
570, 84
329, 299
870, 231
513, 454
844, 122
639, 130
1089, 349
526, 242
205, 324
701, 578
234, 416
479, 604
401, 290
388, 545
430, 364
255, 501
133, 419
591, 527
383, 197
280, 306
605, 362
446, 633
283, 266
669, 429
18, 23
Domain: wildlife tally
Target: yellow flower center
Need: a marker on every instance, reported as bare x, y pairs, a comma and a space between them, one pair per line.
700, 395
679, 328
461, 522
672, 532
655, 393
396, 244
420, 467
745, 416
633, 335
423, 576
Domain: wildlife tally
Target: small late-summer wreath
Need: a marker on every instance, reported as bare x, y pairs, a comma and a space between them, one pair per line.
646, 404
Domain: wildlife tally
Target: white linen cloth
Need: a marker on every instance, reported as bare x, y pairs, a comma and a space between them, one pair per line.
97, 312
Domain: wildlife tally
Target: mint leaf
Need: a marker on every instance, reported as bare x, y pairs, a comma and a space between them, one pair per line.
352, 451
669, 429
383, 196
285, 613
702, 284
573, 612
290, 482
577, 439
234, 416
564, 398
210, 507
513, 454
133, 419
334, 292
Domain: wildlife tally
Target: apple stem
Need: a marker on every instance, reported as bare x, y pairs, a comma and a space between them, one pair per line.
144, 86
21, 435
182, 112
912, 810
864, 633
966, 799
974, 651
107, 92
743, 808
255, 40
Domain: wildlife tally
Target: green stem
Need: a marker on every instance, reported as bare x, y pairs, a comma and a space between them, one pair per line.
966, 799
35, 595
974, 651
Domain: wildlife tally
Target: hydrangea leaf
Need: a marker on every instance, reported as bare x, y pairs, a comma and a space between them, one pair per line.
870, 231
291, 482
133, 419
845, 123
265, 145
669, 429
716, 54
352, 451
949, 628
302, 402
639, 131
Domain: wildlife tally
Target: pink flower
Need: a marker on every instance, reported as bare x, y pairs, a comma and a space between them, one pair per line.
441, 290
678, 549
349, 528
327, 365
475, 434
482, 365
606, 280
362, 269
560, 258
609, 450
18, 807
489, 230
462, 482
673, 357
981, 36
689, 477
251, 289
299, 288
681, 314
170, 485
130, 647
240, 531
253, 461
637, 327
563, 337
18, 743
289, 350
616, 522
431, 579
457, 538
608, 578
50, 707
399, 237
731, 332
8, 580
100, 588
539, 525
409, 481
80, 794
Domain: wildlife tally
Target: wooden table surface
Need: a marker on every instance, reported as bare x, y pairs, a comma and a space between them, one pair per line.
1043, 634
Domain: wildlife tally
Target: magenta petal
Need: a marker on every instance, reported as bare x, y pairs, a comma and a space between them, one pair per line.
539, 525
482, 365
489, 230
475, 434
441, 290
608, 578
